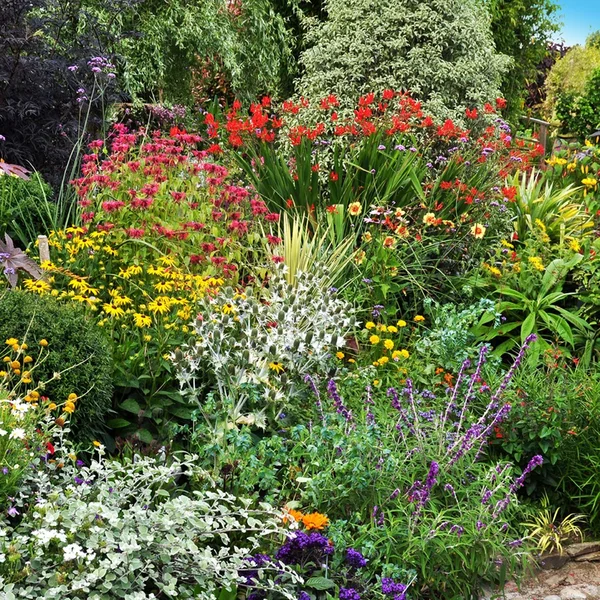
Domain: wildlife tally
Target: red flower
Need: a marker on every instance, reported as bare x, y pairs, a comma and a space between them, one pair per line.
446, 185
427, 122
273, 239
388, 94
50, 448
266, 101
278, 259
333, 176
500, 103
332, 208
471, 114
488, 108
509, 193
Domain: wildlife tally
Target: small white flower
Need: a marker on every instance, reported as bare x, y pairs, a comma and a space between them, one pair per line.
73, 552
3, 432
17, 434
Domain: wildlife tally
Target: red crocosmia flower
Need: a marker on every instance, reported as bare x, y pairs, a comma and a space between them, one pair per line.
471, 114
500, 103
215, 149
50, 448
289, 203
488, 108
427, 122
315, 168
388, 94
266, 101
236, 105
446, 185
332, 209
333, 176
334, 116
509, 193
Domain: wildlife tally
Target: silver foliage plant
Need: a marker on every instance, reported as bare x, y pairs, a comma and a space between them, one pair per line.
263, 341
115, 530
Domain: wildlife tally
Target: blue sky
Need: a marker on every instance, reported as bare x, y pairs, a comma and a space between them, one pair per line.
580, 18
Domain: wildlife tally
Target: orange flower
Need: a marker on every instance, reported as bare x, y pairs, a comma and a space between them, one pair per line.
478, 231
315, 521
296, 515
389, 242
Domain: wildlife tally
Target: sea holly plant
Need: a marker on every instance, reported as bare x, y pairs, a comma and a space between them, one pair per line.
253, 347
13, 260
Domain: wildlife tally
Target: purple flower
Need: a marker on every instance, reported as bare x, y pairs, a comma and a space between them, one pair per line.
338, 403
303, 596
381, 147
348, 594
12, 511
355, 559
78, 480
255, 562
302, 547
536, 461
390, 587
2, 138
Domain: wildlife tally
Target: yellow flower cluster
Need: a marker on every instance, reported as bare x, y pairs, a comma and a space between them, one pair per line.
536, 263
387, 344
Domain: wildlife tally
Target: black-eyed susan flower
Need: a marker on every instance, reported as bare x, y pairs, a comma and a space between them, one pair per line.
276, 366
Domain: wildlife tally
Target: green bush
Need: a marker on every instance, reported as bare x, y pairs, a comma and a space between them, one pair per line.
22, 205
569, 75
77, 350
580, 114
441, 51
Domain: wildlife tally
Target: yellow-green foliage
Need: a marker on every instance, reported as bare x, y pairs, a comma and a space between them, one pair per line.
570, 75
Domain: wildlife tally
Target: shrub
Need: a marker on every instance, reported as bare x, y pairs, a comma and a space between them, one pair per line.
569, 75
580, 114
79, 353
441, 51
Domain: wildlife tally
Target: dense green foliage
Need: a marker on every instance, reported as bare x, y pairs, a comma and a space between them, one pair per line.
580, 114
79, 354
441, 51
521, 30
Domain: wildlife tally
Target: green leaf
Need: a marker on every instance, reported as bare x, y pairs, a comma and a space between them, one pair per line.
118, 423
528, 326
320, 583
145, 436
130, 405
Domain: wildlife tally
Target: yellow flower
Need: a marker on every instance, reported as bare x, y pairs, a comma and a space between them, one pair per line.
39, 286
227, 308
354, 208
340, 355
388, 344
392, 329
384, 360
429, 219
367, 237
398, 354
44, 343
15, 364
536, 262
369, 325
69, 407
3, 373
141, 320
419, 318
72, 397
276, 366
589, 181
401, 323
161, 305
374, 339
163, 286
147, 338
167, 261
359, 257
113, 310
51, 406
575, 245
27, 359
97, 443
382, 327
507, 244
478, 231
315, 521
11, 341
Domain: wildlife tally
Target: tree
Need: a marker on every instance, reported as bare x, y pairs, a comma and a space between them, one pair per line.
522, 29
440, 50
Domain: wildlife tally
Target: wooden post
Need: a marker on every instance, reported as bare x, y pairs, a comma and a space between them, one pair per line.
44, 249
